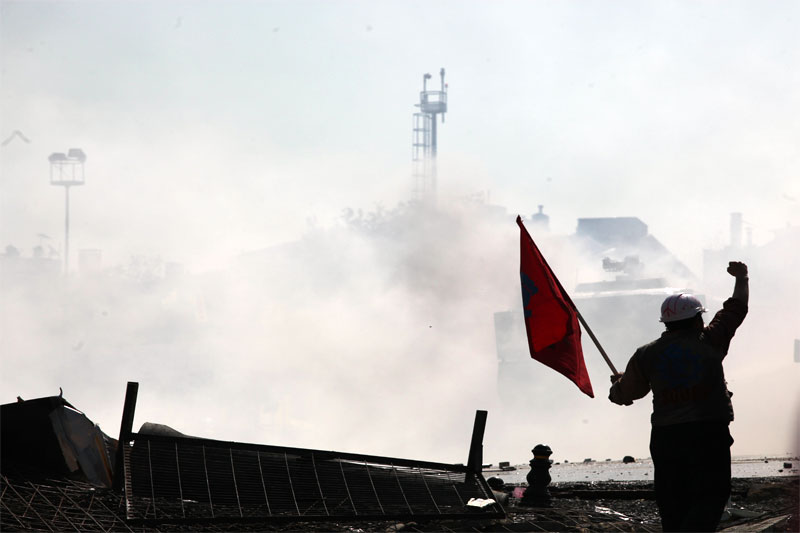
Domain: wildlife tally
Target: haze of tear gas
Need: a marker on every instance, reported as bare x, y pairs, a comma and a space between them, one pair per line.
375, 336
374, 333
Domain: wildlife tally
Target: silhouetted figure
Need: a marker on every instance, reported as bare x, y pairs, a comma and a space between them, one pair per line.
539, 477
690, 441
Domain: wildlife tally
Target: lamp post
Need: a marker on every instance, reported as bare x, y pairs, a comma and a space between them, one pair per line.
66, 170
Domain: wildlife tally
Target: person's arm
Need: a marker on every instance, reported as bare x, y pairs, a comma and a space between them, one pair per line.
722, 327
741, 289
629, 386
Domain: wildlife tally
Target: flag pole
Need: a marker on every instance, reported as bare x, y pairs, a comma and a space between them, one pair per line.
580, 317
596, 342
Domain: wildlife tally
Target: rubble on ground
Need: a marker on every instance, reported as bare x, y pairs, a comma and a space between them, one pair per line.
578, 507
57, 472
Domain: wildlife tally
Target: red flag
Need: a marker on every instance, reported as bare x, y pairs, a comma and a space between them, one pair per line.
551, 321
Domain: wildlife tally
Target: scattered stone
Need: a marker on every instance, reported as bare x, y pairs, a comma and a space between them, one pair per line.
765, 492
787, 465
495, 483
579, 500
628, 459
587, 460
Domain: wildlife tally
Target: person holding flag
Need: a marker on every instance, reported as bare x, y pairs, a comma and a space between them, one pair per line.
690, 440
551, 319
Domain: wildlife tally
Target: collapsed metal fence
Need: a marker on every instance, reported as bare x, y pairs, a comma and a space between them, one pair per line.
176, 479
58, 505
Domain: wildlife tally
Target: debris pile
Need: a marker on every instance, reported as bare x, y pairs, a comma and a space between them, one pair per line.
57, 475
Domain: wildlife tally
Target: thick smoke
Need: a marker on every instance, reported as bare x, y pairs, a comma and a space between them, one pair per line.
214, 133
373, 335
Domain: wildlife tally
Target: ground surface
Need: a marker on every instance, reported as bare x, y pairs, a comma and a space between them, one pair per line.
757, 504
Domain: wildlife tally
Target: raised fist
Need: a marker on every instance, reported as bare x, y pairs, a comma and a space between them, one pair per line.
737, 269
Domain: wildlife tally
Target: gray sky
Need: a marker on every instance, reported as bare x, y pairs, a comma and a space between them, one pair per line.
261, 114
213, 128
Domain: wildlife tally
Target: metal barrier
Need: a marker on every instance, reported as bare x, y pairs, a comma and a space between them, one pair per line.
177, 479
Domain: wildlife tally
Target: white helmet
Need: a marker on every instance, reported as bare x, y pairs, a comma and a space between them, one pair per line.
680, 307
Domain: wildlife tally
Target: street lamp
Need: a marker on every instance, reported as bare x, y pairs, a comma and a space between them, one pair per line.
66, 170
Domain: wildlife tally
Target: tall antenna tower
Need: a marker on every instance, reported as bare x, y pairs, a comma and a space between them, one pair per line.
431, 104
66, 170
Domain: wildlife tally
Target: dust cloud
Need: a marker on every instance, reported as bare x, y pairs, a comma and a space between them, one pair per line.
264, 274
373, 335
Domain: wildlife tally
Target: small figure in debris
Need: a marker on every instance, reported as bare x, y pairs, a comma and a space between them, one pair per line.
690, 440
496, 484
539, 477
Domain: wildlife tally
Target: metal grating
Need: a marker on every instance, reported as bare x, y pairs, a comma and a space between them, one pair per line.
179, 479
58, 505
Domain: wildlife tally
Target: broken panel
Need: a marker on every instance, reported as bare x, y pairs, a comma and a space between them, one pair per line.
169, 479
